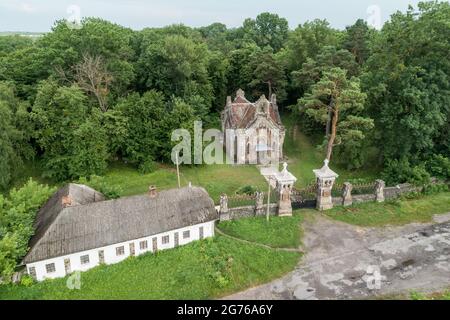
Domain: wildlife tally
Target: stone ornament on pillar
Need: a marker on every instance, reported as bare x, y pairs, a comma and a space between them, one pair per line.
325, 180
285, 184
379, 190
347, 194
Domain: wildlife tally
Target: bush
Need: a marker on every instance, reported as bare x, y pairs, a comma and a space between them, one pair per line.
249, 190
419, 176
435, 188
98, 183
17, 213
439, 166
26, 281
148, 166
401, 171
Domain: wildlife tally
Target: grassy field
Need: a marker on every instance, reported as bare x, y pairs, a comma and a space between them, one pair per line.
444, 295
202, 270
399, 212
279, 232
216, 179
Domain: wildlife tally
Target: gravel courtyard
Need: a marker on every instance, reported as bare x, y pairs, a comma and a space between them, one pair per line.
348, 262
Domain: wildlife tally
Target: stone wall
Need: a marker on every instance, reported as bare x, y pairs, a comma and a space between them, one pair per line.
394, 192
389, 193
247, 212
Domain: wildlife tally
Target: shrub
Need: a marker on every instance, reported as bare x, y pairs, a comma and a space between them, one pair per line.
439, 167
26, 281
17, 213
401, 171
410, 195
148, 166
435, 188
419, 176
249, 190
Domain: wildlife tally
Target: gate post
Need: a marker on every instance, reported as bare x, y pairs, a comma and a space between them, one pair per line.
325, 180
347, 194
259, 203
224, 214
379, 191
285, 183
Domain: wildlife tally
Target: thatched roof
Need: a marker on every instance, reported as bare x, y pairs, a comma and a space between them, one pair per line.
65, 230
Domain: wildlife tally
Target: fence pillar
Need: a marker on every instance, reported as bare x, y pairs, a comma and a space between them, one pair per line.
325, 180
347, 194
379, 190
224, 213
259, 203
285, 183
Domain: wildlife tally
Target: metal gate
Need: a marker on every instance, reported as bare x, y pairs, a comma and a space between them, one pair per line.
304, 197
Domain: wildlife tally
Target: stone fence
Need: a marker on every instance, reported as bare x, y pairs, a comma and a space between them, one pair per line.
380, 193
247, 212
259, 208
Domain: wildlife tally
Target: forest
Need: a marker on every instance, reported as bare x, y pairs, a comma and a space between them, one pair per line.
82, 97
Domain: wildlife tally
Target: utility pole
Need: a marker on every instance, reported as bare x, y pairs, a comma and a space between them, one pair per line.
268, 203
178, 172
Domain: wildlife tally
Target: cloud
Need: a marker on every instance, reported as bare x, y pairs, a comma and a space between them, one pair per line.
18, 6
26, 7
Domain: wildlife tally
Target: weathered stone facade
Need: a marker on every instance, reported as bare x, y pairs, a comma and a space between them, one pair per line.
253, 132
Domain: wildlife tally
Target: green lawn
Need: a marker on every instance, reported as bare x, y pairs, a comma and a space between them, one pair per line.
304, 156
278, 232
216, 179
444, 295
202, 270
398, 212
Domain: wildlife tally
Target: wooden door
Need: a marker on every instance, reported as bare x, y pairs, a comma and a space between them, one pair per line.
201, 233
177, 241
155, 244
67, 266
132, 250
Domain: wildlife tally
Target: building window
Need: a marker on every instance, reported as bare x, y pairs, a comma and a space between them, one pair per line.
186, 234
143, 245
165, 240
120, 251
50, 268
32, 272
84, 259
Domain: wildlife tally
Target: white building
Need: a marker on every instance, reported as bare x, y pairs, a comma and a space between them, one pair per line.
77, 229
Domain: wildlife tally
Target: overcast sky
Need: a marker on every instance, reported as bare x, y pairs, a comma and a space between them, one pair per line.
39, 15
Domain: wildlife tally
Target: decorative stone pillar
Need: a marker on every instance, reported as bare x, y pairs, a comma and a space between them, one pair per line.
379, 190
347, 194
325, 180
224, 214
285, 183
259, 203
